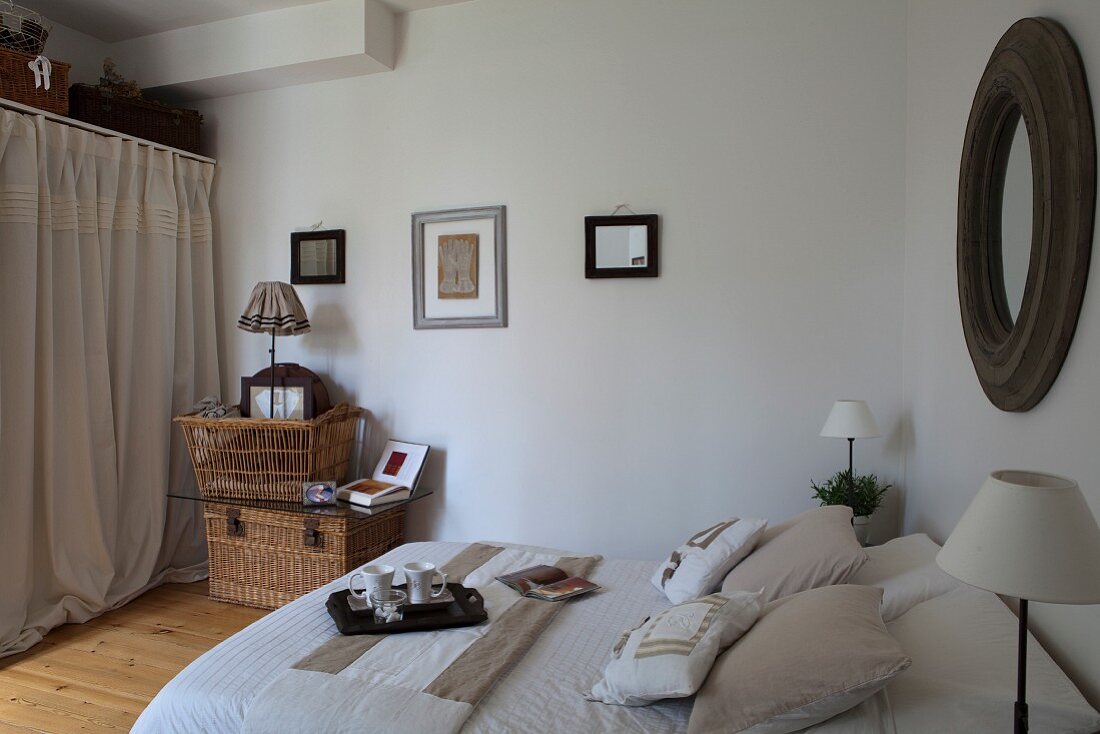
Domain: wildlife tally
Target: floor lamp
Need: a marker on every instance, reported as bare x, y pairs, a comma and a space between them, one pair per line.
1031, 536
850, 419
273, 308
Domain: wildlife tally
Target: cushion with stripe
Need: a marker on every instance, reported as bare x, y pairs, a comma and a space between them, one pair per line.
669, 655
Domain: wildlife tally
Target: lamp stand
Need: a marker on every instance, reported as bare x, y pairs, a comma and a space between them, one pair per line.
851, 476
271, 395
1020, 717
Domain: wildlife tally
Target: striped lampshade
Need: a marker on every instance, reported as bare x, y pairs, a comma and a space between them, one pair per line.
274, 307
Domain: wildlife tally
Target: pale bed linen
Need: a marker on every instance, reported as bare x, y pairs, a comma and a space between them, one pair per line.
542, 693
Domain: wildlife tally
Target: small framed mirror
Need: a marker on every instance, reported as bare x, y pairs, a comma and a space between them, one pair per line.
620, 246
317, 257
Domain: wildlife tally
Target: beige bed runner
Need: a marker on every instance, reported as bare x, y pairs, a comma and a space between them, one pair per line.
426, 681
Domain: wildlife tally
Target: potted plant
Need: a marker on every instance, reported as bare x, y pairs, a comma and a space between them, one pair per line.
865, 496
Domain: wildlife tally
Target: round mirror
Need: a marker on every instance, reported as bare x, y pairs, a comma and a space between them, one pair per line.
1016, 204
1027, 189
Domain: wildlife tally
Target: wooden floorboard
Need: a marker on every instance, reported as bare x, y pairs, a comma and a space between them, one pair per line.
99, 676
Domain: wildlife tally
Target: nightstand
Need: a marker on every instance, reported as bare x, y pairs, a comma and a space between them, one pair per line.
265, 553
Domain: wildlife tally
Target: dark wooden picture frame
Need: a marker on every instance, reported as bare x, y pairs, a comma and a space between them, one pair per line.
296, 240
591, 224
1034, 75
306, 383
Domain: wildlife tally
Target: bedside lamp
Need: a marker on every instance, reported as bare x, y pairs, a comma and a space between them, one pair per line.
1031, 536
273, 308
850, 419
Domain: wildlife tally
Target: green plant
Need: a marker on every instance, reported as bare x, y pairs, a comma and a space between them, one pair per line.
866, 492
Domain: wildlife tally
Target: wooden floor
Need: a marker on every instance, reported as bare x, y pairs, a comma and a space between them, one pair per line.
98, 676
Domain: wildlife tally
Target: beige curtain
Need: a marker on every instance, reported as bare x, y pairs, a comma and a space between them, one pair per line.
106, 332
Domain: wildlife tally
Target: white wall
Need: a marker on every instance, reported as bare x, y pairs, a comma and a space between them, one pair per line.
82, 51
956, 435
769, 136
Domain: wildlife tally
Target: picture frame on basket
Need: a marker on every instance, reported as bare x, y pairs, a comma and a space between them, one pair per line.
293, 398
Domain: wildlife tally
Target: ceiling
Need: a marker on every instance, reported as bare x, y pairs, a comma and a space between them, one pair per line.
117, 20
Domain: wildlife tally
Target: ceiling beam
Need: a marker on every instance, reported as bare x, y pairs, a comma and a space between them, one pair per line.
297, 45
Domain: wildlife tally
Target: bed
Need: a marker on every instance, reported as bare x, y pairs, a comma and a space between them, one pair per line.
961, 641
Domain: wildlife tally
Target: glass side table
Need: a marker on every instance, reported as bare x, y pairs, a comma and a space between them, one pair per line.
266, 553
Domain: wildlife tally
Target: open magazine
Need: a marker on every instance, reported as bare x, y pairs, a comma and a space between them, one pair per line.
548, 583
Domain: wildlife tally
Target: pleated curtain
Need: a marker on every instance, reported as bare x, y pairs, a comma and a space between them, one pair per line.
107, 331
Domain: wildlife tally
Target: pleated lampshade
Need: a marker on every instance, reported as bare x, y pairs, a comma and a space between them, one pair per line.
274, 307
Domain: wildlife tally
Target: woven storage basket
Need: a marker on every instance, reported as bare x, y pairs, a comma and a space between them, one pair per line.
17, 83
260, 558
264, 459
135, 116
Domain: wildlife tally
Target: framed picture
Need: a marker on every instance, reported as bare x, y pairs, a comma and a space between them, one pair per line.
459, 274
293, 398
317, 257
620, 246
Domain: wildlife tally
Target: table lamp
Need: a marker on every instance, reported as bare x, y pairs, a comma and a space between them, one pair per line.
850, 419
1031, 536
274, 307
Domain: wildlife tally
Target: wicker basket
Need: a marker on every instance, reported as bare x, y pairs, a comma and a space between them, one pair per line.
264, 459
263, 558
135, 116
17, 83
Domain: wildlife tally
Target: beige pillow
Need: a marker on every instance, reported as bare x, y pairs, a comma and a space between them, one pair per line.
816, 548
809, 657
669, 654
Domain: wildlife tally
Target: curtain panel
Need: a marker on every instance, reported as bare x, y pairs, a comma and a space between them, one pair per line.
107, 331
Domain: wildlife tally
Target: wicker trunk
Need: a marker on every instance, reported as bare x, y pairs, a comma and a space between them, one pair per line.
17, 83
267, 558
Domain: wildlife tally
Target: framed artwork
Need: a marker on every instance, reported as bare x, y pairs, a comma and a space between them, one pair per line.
459, 274
620, 246
317, 257
293, 398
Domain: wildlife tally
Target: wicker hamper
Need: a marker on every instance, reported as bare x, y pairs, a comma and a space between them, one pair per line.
267, 558
17, 83
265, 459
135, 116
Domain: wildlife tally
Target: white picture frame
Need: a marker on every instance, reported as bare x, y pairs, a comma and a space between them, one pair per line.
439, 302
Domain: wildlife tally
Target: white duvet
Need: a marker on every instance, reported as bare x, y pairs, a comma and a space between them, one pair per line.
965, 685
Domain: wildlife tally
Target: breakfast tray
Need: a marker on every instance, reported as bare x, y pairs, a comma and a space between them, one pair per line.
467, 609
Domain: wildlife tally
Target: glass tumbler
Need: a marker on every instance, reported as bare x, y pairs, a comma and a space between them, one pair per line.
389, 605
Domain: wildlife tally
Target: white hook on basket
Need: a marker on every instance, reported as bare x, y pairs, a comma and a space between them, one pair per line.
41, 68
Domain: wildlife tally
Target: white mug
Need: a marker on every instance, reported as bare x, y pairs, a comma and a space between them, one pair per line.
376, 578
418, 577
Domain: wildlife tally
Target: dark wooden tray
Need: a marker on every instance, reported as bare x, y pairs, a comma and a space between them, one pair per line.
467, 609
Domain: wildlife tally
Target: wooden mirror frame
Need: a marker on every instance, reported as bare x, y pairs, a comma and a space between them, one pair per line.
649, 221
296, 239
1035, 75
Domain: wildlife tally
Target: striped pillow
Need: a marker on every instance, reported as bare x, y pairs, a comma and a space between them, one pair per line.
670, 654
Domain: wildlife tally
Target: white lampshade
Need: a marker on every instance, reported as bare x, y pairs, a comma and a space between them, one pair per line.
850, 419
1027, 535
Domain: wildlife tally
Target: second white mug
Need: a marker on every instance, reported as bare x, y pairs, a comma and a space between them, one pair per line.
419, 578
375, 577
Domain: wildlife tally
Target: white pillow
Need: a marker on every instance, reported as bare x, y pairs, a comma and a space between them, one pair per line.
906, 571
670, 654
700, 564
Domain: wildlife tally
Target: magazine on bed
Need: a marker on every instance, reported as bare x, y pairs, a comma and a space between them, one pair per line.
548, 583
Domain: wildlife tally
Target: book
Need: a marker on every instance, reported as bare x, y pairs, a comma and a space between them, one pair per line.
394, 479
548, 583
371, 492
